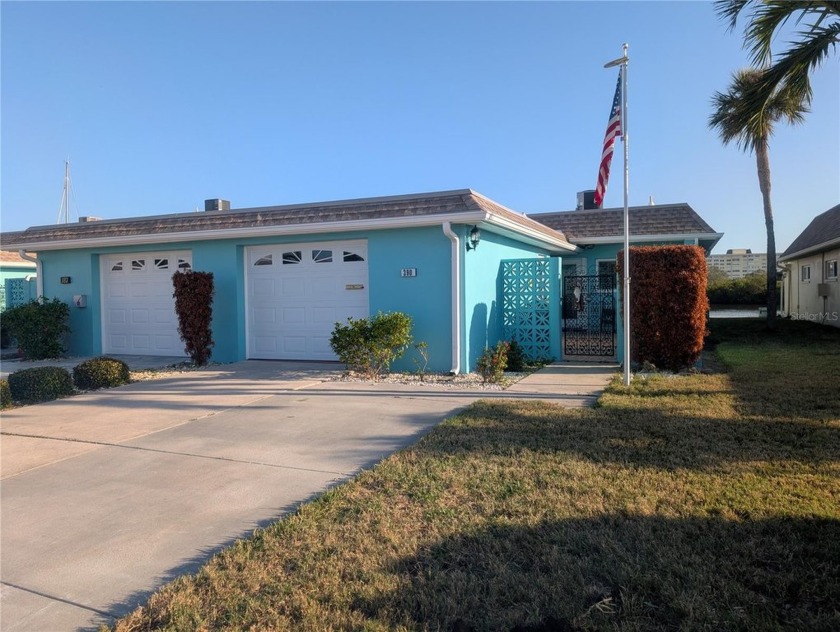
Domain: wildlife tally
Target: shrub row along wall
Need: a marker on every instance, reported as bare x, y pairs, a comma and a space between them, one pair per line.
668, 304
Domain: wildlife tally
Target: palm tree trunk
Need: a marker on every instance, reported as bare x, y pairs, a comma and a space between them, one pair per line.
762, 159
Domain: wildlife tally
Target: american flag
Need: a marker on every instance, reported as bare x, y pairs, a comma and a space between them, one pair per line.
613, 130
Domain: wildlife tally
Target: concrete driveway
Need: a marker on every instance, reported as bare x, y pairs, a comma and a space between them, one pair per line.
108, 495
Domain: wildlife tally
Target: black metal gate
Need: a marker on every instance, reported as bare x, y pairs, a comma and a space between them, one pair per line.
589, 315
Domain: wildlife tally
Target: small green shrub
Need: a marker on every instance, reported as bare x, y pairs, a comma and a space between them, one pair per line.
102, 372
515, 357
5, 394
40, 384
422, 362
38, 326
369, 345
493, 362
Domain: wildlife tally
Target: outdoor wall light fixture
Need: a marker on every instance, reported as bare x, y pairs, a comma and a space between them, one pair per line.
475, 237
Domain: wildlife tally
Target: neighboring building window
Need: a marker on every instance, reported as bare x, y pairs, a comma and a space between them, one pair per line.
352, 256
831, 270
805, 274
265, 261
322, 256
291, 257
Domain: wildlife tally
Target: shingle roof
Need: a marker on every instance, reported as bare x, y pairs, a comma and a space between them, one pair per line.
823, 229
665, 219
13, 257
462, 201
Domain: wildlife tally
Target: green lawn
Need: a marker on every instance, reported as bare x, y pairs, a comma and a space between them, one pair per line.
701, 502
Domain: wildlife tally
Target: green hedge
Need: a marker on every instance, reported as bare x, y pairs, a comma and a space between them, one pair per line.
38, 327
5, 394
40, 384
668, 304
102, 372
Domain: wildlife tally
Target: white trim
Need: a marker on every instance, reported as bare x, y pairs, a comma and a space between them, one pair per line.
810, 250
26, 265
534, 236
39, 281
455, 265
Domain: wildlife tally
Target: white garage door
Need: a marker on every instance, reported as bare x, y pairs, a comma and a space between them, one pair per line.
296, 294
138, 311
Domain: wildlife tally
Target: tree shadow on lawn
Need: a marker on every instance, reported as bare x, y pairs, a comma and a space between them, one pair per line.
790, 373
647, 438
615, 571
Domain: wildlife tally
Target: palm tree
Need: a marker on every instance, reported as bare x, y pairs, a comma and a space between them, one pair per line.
752, 134
790, 71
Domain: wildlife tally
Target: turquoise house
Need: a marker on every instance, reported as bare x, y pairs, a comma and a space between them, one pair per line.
468, 270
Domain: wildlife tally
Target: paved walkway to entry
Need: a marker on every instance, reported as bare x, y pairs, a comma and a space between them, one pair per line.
110, 494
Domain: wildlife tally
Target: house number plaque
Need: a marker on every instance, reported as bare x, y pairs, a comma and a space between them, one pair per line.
408, 272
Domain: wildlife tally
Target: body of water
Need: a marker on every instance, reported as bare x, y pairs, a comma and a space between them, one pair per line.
748, 312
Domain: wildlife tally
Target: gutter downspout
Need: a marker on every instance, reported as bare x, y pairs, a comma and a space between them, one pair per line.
455, 265
39, 281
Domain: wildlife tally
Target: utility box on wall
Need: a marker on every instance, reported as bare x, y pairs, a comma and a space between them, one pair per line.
822, 290
80, 300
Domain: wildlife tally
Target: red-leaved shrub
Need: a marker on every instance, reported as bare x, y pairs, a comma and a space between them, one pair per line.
194, 305
668, 304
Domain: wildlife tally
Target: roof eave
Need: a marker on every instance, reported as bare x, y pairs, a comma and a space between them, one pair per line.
257, 231
556, 245
612, 239
810, 249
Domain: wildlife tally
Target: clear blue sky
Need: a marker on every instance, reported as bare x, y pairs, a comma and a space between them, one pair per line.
161, 105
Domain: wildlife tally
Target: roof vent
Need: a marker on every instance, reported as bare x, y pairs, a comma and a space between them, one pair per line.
586, 200
89, 218
216, 205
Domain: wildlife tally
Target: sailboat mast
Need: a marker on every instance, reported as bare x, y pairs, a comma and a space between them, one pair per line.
64, 208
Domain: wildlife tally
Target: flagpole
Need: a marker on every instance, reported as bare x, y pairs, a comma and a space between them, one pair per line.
624, 141
622, 62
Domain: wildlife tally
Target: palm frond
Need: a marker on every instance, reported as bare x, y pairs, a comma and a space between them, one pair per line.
737, 117
728, 10
771, 15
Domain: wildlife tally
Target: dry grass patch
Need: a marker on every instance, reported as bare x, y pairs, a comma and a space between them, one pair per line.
673, 505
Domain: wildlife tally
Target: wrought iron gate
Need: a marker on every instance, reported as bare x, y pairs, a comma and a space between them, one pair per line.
589, 315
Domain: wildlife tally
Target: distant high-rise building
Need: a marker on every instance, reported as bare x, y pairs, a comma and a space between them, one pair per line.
738, 262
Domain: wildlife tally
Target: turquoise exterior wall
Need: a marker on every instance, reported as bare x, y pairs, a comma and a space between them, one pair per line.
10, 272
425, 297
482, 291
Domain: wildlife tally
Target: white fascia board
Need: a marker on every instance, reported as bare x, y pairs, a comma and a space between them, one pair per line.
260, 231
615, 239
533, 237
811, 250
28, 265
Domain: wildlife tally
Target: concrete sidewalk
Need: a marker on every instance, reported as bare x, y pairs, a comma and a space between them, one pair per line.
108, 495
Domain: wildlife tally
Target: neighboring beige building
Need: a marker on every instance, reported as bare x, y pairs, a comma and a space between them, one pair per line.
810, 286
738, 262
